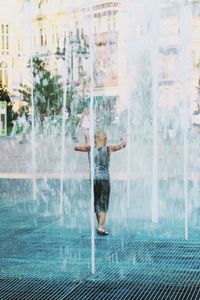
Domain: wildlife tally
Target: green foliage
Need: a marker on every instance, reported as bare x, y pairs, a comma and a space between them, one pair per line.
6, 96
25, 91
74, 119
47, 92
71, 92
198, 63
47, 89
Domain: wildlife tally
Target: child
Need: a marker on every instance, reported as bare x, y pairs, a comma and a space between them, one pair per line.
85, 124
102, 154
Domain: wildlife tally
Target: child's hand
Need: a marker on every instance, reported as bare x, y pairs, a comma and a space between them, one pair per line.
124, 141
124, 138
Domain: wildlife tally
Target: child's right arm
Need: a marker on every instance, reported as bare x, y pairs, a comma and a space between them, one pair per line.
82, 148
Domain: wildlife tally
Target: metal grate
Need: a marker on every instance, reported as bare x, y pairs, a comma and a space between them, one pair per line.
43, 258
54, 263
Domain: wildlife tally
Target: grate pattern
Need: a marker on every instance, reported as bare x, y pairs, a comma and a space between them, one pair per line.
45, 258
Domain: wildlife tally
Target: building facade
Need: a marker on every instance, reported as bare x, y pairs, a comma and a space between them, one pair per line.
60, 33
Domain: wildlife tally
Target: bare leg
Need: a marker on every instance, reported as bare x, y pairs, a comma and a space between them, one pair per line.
85, 136
101, 221
97, 216
86, 140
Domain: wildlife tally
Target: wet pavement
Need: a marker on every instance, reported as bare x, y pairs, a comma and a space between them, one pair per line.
45, 255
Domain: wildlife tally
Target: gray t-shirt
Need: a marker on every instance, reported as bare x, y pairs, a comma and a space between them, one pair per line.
101, 163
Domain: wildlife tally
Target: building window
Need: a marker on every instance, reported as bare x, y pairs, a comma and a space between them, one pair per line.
104, 23
95, 24
42, 2
7, 42
41, 37
109, 21
34, 42
4, 39
114, 22
45, 39
54, 34
99, 24
3, 75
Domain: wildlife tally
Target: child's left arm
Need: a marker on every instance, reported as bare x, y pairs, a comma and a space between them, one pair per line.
118, 147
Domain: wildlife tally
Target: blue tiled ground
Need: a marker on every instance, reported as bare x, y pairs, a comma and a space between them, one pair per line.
44, 256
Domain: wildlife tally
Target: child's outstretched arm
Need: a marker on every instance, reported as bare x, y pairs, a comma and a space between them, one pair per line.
118, 147
85, 148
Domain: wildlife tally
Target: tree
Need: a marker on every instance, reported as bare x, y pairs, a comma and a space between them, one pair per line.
47, 90
5, 95
25, 91
71, 94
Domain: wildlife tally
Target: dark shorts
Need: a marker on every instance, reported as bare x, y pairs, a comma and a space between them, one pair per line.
101, 195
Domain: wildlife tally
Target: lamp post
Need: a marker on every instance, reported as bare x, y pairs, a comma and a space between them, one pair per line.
61, 53
74, 49
77, 46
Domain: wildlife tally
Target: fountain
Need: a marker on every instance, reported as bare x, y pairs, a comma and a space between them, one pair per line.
47, 201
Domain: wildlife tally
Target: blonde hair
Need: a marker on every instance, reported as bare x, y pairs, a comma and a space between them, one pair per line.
100, 134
